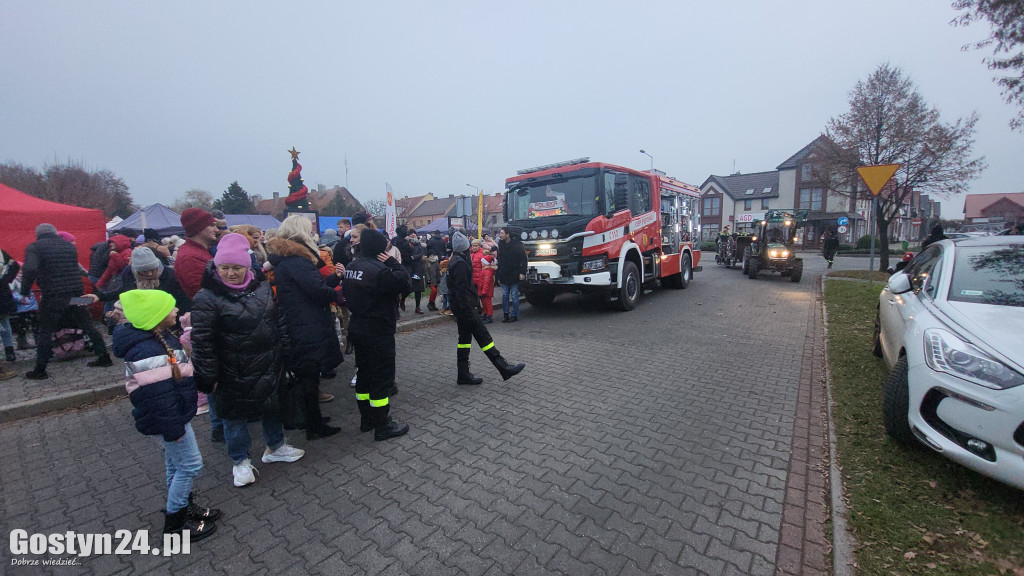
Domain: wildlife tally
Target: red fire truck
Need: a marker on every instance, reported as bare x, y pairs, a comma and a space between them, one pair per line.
595, 227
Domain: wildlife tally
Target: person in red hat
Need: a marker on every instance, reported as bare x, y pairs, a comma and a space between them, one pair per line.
200, 235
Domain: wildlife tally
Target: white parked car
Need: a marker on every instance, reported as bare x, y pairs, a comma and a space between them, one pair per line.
951, 327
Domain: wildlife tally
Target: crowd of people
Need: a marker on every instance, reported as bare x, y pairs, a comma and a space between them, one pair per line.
244, 324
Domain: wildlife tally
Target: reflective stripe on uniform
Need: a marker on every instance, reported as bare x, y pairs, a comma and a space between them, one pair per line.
470, 345
378, 403
488, 347
362, 396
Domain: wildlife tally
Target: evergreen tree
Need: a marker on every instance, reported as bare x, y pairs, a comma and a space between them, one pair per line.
235, 201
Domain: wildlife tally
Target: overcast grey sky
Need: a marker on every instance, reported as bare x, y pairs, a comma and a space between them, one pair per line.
431, 96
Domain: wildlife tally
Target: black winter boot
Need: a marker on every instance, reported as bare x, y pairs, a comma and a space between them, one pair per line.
197, 512
366, 422
9, 353
504, 368
178, 521
315, 425
466, 377
386, 426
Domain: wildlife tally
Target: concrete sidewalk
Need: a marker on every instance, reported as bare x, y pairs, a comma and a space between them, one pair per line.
73, 385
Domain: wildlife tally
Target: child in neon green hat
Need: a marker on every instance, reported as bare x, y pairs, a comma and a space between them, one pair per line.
163, 394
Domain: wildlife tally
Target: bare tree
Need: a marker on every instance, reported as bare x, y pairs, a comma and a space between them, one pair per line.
377, 209
1007, 41
194, 198
890, 123
72, 184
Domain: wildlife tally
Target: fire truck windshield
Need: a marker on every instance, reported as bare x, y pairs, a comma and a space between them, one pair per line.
576, 195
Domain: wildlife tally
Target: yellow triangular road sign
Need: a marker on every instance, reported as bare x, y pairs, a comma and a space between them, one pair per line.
876, 176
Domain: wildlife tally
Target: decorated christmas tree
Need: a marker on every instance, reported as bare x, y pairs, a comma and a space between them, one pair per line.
297, 191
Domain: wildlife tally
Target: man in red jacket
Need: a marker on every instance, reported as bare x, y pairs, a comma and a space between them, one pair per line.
200, 236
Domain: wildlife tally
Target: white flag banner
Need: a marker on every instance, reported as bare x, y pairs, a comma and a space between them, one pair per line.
390, 221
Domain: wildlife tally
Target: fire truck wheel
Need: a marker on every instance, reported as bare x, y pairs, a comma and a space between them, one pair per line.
629, 292
682, 280
540, 298
753, 267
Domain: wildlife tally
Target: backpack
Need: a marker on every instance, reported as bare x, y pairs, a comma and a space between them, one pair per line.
68, 343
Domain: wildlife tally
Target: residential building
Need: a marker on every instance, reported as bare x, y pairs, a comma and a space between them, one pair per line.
993, 212
318, 199
427, 210
740, 199
407, 204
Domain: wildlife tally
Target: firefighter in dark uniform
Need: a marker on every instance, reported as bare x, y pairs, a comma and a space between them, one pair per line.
462, 293
373, 281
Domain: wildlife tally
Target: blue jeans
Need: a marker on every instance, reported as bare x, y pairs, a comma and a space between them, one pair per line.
236, 434
510, 299
183, 462
5, 331
216, 422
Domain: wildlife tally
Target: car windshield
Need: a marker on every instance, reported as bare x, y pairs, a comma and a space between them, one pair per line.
989, 275
555, 197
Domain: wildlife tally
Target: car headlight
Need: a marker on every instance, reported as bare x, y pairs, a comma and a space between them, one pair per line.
945, 352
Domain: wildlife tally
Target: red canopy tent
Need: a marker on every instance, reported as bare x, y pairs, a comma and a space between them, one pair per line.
21, 213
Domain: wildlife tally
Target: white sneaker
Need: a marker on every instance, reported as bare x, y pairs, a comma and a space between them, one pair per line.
203, 409
243, 473
354, 376
284, 453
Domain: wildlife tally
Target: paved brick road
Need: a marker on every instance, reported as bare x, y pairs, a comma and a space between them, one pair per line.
659, 441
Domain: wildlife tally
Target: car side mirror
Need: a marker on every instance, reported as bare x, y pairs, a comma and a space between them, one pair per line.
899, 283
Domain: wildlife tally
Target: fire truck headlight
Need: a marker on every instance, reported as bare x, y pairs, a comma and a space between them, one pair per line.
543, 233
524, 236
593, 265
773, 253
784, 253
544, 246
533, 235
554, 233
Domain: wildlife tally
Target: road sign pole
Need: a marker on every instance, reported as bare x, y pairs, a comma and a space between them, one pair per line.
875, 177
871, 260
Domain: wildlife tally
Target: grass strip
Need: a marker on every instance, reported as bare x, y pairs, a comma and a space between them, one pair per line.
910, 510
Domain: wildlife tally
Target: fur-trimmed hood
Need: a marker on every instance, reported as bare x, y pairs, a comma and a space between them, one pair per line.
280, 248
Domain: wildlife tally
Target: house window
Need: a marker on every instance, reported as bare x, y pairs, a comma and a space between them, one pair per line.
810, 199
710, 231
764, 203
806, 171
747, 205
712, 206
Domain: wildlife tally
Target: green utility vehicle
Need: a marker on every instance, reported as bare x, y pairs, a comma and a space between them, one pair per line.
770, 247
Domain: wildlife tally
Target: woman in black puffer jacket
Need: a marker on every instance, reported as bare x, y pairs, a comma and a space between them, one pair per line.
237, 344
304, 298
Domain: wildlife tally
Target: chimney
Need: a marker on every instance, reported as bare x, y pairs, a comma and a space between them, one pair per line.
276, 196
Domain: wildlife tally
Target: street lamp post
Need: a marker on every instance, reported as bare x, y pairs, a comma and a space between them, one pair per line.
651, 157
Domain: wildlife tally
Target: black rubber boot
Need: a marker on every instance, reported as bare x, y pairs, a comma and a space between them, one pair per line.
466, 377
504, 368
9, 353
366, 422
178, 521
386, 426
197, 512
